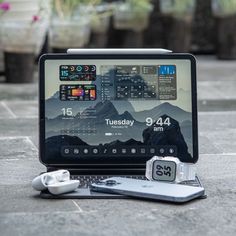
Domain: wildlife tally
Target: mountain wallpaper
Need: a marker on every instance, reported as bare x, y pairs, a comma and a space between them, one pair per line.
61, 130
178, 133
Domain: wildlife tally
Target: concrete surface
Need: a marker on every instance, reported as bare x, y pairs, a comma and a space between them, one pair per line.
22, 212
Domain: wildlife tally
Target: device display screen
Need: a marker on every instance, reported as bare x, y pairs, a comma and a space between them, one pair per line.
164, 170
117, 110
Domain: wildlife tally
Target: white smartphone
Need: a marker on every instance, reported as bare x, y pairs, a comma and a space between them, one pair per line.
148, 189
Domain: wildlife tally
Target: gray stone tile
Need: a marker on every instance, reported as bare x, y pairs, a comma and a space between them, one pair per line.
216, 83
217, 167
20, 198
23, 109
216, 105
19, 171
211, 69
128, 216
19, 91
223, 140
214, 121
217, 90
17, 148
35, 140
139, 218
216, 132
4, 111
206, 146
19, 127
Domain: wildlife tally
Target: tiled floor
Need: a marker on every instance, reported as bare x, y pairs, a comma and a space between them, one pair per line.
22, 212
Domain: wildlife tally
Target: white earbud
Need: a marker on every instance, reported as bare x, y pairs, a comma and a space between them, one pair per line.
57, 182
63, 187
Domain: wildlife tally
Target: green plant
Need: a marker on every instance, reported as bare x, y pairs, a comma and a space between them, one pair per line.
97, 18
224, 7
66, 8
177, 7
96, 11
140, 5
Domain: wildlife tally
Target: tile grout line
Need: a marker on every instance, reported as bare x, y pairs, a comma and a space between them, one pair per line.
36, 213
8, 109
31, 142
77, 206
218, 154
202, 113
20, 117
20, 137
13, 137
17, 159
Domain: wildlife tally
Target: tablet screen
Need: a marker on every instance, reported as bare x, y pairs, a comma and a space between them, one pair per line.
117, 110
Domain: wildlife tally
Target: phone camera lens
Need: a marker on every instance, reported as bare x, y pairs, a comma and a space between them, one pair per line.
100, 182
110, 182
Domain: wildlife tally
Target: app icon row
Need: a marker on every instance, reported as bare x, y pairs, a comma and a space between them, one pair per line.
82, 151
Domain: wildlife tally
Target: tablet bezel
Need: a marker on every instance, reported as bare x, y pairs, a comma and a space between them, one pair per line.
64, 56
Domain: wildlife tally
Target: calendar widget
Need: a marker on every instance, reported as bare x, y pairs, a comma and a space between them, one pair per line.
77, 72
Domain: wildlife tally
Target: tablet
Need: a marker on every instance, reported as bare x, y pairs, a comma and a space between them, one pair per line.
117, 110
